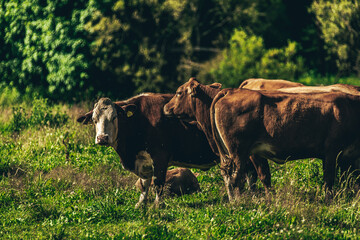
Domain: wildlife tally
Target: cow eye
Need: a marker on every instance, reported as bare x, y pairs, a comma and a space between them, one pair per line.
113, 119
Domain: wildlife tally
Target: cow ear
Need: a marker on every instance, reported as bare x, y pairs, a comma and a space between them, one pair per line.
85, 119
194, 87
129, 109
215, 85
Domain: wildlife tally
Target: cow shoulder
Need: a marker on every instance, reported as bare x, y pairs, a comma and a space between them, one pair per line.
151, 107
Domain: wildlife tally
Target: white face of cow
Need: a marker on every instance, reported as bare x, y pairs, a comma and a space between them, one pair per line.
105, 118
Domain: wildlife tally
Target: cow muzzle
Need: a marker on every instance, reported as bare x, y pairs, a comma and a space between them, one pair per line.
102, 140
168, 111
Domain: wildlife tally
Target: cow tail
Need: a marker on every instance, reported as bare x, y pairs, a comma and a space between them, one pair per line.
223, 150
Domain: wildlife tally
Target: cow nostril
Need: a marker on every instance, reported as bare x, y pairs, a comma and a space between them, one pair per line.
168, 110
102, 139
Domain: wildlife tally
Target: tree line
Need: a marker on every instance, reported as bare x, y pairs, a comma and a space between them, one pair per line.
75, 50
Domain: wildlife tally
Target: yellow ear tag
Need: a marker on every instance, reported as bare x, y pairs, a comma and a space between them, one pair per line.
129, 113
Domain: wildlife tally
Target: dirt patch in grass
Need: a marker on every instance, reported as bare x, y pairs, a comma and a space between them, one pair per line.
70, 179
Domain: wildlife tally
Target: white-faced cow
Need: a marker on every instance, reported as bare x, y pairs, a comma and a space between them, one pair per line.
146, 141
273, 125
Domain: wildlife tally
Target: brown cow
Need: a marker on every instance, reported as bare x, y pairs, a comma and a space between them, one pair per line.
345, 88
178, 181
146, 141
273, 125
293, 87
268, 84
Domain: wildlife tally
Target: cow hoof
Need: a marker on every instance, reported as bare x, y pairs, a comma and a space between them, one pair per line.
269, 192
158, 205
329, 196
139, 204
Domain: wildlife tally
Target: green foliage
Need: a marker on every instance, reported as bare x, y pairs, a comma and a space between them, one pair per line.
339, 23
19, 120
41, 114
248, 58
44, 45
67, 50
133, 46
8, 95
314, 79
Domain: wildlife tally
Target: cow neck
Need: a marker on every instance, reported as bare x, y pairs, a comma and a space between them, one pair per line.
131, 140
148, 116
127, 144
202, 112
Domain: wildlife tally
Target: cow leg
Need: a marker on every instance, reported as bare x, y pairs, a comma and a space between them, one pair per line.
242, 168
263, 171
159, 182
145, 170
234, 177
329, 169
228, 186
145, 184
239, 179
251, 176
226, 172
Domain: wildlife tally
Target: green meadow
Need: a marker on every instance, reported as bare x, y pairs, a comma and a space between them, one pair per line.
55, 183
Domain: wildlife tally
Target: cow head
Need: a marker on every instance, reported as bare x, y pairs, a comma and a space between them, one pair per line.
106, 116
182, 105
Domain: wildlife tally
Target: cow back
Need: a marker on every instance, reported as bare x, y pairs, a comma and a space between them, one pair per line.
268, 84
288, 126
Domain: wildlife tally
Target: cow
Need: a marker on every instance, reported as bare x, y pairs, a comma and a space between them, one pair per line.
268, 84
345, 88
146, 141
179, 181
293, 87
273, 125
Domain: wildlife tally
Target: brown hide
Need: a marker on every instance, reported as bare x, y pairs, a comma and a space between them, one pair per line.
178, 181
294, 87
268, 84
349, 89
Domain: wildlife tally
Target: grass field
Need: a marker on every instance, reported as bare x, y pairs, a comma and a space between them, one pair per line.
55, 183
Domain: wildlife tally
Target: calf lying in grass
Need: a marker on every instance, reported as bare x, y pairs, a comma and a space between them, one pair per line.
178, 181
